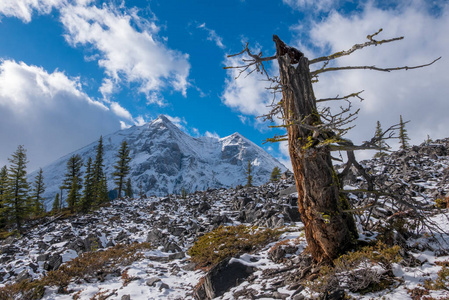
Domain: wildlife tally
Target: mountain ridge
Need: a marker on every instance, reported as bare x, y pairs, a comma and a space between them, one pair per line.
166, 160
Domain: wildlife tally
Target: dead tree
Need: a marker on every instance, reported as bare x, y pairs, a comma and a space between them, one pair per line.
312, 135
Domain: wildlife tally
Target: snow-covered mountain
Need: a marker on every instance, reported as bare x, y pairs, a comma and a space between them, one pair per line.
166, 160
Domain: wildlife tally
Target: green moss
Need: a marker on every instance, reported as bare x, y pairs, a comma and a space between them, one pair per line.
224, 242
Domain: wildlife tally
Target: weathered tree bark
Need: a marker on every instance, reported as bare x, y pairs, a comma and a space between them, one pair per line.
329, 230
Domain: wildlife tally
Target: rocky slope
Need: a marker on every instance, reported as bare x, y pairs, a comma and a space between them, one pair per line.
276, 271
166, 160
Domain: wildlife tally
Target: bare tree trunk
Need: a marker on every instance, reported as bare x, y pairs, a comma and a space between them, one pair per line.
329, 230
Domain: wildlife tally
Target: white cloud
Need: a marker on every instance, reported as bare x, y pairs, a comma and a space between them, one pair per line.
313, 5
139, 121
23, 9
284, 157
127, 54
418, 95
213, 36
120, 111
247, 94
212, 135
48, 113
179, 122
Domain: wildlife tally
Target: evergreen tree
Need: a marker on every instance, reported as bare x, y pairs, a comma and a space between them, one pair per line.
98, 176
122, 167
103, 190
73, 181
56, 204
88, 195
129, 189
18, 200
74, 194
38, 190
380, 142
249, 177
403, 136
3, 195
275, 174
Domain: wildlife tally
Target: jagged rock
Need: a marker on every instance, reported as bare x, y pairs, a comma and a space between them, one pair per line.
92, 243
121, 236
155, 237
203, 207
172, 247
77, 245
126, 297
222, 277
53, 262
9, 250
152, 281
333, 295
24, 275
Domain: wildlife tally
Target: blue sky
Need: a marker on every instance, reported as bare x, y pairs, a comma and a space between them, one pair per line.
72, 70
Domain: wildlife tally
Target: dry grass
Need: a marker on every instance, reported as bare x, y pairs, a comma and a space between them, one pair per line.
88, 267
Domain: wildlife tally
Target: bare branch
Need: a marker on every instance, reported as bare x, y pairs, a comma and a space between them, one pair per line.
357, 95
256, 60
314, 73
355, 47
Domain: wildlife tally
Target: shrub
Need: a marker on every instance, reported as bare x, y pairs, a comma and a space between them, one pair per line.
442, 280
224, 242
366, 270
87, 266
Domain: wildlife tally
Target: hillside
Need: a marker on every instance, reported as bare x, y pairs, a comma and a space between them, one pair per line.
408, 267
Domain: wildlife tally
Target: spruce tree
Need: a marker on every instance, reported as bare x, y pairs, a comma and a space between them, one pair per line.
3, 195
56, 204
74, 194
129, 188
122, 167
38, 190
18, 201
103, 189
403, 136
73, 181
249, 177
381, 144
275, 174
88, 195
98, 175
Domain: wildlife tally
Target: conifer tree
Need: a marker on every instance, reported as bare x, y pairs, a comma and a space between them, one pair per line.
249, 177
381, 144
3, 195
74, 194
122, 167
73, 181
275, 174
18, 200
56, 204
129, 189
88, 195
103, 190
99, 183
403, 136
38, 190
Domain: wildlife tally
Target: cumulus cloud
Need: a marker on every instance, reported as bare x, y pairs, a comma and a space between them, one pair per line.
120, 111
130, 49
48, 113
246, 94
23, 9
418, 95
213, 36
